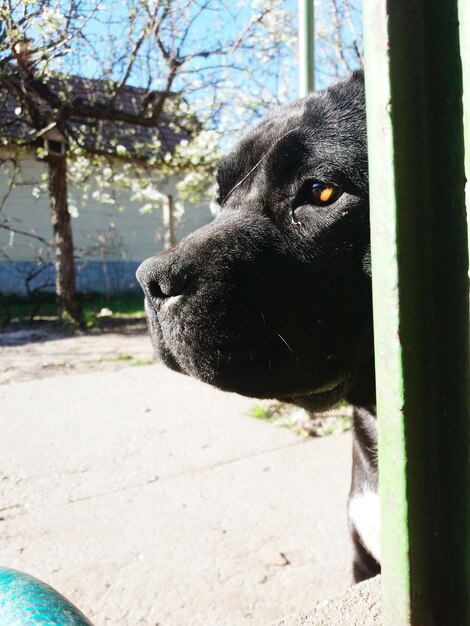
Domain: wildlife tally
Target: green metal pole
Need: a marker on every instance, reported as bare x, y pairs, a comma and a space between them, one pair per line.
420, 284
306, 47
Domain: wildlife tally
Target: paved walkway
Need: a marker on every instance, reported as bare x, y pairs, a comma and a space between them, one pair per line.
149, 498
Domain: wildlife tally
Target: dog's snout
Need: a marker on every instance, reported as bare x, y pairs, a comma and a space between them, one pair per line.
161, 278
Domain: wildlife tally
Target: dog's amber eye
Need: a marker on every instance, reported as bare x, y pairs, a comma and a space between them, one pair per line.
322, 194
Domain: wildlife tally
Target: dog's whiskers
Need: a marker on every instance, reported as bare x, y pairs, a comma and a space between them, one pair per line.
288, 347
284, 341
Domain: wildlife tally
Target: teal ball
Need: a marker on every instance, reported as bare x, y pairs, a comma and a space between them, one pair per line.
27, 601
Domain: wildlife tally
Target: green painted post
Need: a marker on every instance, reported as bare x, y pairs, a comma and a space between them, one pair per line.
306, 47
464, 19
420, 283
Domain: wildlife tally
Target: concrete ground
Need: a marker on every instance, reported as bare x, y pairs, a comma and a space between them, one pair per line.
150, 498
360, 605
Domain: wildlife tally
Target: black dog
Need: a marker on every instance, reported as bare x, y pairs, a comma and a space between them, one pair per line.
273, 299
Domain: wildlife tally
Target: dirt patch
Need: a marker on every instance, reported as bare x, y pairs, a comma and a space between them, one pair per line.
44, 349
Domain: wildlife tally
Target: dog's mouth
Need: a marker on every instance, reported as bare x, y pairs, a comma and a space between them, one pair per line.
324, 398
257, 365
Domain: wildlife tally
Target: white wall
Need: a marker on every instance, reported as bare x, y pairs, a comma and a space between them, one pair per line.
129, 236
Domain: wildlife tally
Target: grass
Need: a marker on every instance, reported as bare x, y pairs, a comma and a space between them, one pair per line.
302, 422
137, 362
43, 307
130, 359
260, 412
121, 357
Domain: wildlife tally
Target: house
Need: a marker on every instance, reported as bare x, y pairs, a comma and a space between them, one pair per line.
114, 227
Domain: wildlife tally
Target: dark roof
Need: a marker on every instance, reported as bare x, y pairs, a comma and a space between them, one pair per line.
86, 113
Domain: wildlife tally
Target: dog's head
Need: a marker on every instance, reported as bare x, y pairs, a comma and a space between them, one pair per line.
273, 298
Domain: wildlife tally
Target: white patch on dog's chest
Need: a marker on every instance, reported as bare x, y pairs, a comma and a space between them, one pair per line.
364, 515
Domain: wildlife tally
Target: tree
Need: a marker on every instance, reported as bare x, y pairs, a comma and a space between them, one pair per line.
338, 39
146, 60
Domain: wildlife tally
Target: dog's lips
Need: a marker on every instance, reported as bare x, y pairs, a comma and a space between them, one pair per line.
265, 377
329, 388
253, 362
323, 398
159, 306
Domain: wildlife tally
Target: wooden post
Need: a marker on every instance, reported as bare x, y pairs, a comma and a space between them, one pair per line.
169, 221
420, 264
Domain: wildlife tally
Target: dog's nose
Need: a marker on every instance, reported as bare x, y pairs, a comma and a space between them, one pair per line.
160, 278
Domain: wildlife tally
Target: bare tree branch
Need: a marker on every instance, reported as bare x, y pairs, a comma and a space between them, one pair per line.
338, 35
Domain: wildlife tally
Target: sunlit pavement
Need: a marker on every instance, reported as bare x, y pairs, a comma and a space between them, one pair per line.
149, 498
